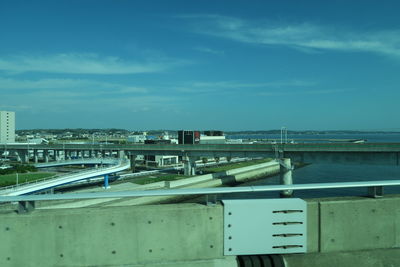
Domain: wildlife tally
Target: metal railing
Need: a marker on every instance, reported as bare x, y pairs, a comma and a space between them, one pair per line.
78, 161
202, 191
94, 171
57, 176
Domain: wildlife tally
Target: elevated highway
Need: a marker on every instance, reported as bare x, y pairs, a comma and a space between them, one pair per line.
89, 161
364, 153
37, 186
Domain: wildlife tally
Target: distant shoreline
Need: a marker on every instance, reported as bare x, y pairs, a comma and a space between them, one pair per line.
245, 132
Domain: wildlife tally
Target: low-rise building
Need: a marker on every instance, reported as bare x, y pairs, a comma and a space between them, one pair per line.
138, 138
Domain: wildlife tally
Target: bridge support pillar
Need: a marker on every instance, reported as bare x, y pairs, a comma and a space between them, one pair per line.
121, 154
189, 166
57, 155
106, 185
132, 158
46, 155
25, 157
286, 176
18, 155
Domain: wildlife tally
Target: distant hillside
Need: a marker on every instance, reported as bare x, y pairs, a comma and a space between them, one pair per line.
305, 132
112, 131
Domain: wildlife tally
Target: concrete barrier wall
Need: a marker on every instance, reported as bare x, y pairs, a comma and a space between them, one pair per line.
353, 223
204, 181
240, 173
361, 258
114, 236
190, 235
351, 231
358, 224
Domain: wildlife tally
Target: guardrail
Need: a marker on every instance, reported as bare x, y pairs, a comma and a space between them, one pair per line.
56, 176
206, 191
78, 161
67, 178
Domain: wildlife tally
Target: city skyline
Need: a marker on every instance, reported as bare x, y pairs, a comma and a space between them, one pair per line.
227, 65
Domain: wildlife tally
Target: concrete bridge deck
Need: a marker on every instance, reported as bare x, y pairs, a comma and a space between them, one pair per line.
368, 153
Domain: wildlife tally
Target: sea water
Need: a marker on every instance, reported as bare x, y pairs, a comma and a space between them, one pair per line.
330, 173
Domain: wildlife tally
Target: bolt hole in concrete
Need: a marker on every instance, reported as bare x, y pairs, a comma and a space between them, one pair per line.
7, 228
230, 238
61, 255
230, 249
211, 246
149, 222
8, 258
113, 252
229, 225
150, 250
229, 213
211, 218
59, 227
112, 224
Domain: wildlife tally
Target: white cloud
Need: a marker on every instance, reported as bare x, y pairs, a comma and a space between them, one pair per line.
15, 107
209, 50
64, 95
305, 92
58, 86
304, 36
74, 63
228, 86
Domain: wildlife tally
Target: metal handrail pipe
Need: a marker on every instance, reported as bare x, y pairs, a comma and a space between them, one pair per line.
200, 191
60, 180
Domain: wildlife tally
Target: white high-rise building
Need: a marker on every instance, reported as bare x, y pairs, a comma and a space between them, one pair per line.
7, 127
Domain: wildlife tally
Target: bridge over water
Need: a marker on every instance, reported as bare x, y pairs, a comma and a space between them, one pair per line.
350, 231
370, 153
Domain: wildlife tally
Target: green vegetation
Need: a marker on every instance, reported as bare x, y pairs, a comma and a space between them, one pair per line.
20, 168
231, 166
207, 170
154, 179
10, 179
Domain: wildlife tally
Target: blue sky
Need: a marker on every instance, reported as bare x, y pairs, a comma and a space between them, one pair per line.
229, 65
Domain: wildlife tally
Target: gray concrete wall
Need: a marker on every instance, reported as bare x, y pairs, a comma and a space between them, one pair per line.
114, 236
353, 223
361, 258
206, 181
351, 231
341, 232
359, 224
